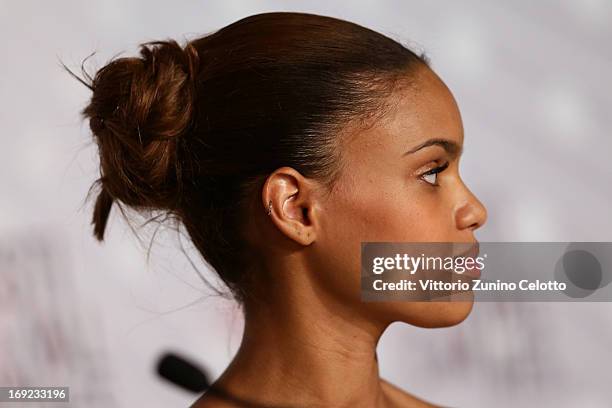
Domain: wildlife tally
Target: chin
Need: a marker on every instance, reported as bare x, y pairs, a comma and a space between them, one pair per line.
435, 314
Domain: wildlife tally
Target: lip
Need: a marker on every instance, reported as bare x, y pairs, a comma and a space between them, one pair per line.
473, 252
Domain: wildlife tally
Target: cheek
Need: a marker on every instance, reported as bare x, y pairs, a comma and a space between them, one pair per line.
388, 211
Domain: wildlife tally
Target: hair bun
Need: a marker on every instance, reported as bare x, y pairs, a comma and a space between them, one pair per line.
139, 113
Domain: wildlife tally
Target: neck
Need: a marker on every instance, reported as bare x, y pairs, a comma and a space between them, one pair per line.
305, 348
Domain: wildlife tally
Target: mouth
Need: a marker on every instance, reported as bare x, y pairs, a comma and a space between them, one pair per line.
471, 271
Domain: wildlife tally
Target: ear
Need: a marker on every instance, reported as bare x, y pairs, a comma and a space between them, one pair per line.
292, 202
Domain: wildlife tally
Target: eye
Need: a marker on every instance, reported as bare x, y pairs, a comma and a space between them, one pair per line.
431, 176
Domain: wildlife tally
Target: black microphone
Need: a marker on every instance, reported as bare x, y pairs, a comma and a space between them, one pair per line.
183, 373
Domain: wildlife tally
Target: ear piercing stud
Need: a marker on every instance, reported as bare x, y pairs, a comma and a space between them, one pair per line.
270, 207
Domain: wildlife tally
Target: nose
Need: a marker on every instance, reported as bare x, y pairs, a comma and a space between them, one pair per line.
471, 214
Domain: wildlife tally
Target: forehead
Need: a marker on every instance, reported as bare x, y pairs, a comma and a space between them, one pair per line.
418, 112
423, 111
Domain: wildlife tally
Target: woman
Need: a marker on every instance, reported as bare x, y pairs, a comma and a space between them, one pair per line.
282, 142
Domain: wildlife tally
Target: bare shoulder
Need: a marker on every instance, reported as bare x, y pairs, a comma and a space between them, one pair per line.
209, 400
396, 395
401, 398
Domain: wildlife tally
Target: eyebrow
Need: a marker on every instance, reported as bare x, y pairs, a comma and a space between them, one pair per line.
452, 148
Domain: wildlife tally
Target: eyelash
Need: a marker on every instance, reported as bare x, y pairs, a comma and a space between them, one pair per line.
437, 170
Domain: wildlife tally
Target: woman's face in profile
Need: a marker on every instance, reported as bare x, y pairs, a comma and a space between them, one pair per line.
391, 190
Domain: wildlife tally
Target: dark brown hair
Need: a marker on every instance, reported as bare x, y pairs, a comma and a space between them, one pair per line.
194, 131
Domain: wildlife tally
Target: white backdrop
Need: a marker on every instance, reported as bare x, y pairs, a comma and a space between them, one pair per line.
532, 80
